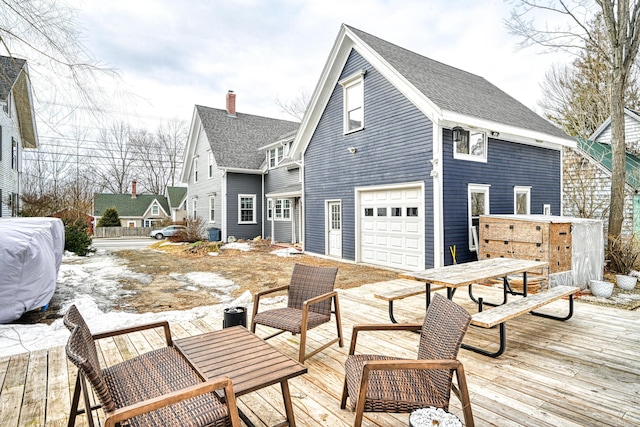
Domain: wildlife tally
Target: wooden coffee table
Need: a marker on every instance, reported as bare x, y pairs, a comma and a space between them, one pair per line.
248, 360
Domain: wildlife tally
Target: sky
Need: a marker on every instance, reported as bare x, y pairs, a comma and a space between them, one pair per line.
173, 55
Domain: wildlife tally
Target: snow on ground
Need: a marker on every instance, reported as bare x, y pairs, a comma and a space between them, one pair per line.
92, 284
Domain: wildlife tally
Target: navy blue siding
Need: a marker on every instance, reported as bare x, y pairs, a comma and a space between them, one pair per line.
243, 184
508, 165
394, 147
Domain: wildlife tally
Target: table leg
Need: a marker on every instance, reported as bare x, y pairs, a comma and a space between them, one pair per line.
288, 406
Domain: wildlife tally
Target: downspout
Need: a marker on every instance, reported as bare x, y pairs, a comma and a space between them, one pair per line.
438, 220
223, 217
264, 200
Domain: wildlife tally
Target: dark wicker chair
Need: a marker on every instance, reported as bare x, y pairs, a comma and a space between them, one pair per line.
157, 388
376, 383
310, 294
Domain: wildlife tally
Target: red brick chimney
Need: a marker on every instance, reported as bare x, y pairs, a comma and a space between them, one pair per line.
231, 103
133, 189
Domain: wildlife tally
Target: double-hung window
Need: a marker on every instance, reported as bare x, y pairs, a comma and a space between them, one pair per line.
521, 200
210, 164
275, 156
155, 210
478, 201
212, 208
14, 154
469, 144
195, 170
283, 209
353, 95
194, 209
269, 209
246, 209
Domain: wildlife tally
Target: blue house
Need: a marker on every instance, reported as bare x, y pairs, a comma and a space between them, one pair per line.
401, 154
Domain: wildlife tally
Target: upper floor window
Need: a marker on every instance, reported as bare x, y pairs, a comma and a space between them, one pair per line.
522, 200
246, 209
353, 94
275, 156
14, 154
155, 210
195, 170
210, 164
469, 145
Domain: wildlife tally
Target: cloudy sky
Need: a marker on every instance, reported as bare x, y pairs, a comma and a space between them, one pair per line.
172, 55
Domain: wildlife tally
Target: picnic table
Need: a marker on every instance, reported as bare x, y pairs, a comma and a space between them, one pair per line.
456, 276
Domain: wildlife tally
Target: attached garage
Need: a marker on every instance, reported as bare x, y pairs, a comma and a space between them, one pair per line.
391, 226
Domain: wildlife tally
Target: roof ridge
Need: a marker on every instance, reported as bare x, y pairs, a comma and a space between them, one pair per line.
222, 110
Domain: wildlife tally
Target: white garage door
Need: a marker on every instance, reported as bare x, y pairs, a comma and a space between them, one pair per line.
392, 228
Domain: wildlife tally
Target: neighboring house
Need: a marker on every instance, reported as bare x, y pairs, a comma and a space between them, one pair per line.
401, 154
17, 130
283, 192
177, 200
587, 175
134, 210
223, 168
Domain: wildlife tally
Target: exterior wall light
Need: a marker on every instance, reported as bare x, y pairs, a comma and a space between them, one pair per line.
352, 150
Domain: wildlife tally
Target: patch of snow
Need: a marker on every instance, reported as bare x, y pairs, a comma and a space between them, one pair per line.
244, 247
94, 285
213, 253
286, 252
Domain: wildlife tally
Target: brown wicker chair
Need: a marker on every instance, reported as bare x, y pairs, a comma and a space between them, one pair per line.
376, 383
153, 389
310, 293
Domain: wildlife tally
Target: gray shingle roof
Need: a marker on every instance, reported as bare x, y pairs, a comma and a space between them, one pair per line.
235, 140
126, 205
458, 91
9, 70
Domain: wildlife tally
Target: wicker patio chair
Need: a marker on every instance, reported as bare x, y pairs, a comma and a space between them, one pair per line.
158, 388
310, 295
376, 383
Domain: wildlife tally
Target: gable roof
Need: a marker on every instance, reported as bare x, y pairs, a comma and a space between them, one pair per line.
447, 95
601, 153
14, 77
175, 196
235, 140
635, 115
126, 205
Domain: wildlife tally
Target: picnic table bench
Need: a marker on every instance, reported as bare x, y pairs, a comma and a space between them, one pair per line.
398, 289
459, 275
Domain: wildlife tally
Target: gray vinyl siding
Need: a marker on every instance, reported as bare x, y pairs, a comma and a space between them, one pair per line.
277, 180
243, 184
395, 146
9, 177
508, 164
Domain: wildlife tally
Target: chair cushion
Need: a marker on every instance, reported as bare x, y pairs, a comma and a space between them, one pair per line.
402, 391
290, 319
158, 372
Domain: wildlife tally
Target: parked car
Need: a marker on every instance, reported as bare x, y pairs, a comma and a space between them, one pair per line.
168, 231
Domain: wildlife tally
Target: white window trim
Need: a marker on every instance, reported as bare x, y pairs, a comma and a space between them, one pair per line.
476, 188
246, 196
346, 83
195, 170
212, 199
521, 190
471, 157
194, 208
546, 209
269, 209
281, 217
155, 207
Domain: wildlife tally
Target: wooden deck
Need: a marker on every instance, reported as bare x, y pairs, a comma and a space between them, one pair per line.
585, 371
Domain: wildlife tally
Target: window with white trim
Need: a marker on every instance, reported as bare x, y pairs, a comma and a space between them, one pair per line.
195, 170
14, 154
212, 208
275, 156
210, 164
478, 204
194, 209
353, 102
155, 209
246, 209
469, 144
521, 200
269, 209
283, 210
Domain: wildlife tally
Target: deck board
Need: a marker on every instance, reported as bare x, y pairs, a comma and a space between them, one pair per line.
580, 372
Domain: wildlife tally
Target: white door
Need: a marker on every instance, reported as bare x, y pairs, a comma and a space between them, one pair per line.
392, 227
334, 229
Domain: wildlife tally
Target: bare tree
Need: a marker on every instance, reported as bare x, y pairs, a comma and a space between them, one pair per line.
117, 165
297, 106
619, 47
